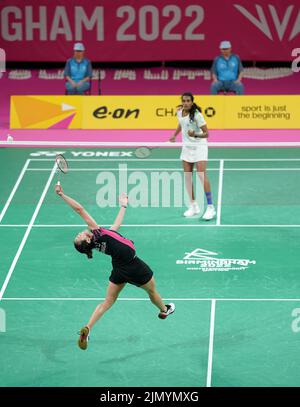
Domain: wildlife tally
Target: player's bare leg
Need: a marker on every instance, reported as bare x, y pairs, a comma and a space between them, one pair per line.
165, 309
113, 291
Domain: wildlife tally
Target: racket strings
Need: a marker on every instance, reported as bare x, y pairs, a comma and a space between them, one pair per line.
62, 164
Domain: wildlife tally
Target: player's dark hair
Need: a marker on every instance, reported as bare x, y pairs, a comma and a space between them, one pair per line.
85, 247
194, 107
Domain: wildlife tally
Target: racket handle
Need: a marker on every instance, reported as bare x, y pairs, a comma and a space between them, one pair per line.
58, 182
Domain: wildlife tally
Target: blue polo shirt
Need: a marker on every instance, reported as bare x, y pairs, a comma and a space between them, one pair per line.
78, 70
227, 69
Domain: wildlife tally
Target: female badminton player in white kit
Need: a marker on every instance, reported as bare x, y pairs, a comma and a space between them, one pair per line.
194, 151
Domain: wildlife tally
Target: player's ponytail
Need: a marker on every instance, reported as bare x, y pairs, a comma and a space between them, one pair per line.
194, 107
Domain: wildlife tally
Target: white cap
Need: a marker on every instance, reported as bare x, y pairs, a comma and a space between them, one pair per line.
225, 45
78, 47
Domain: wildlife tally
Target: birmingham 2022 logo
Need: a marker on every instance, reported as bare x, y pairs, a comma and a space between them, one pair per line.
2, 60
296, 61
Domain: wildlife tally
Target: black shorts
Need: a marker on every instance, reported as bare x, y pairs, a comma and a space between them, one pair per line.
135, 272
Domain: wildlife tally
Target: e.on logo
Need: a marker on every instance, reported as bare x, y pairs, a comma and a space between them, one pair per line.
287, 23
2, 60
103, 112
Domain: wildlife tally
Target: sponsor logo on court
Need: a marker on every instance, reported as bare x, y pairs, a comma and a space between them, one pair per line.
205, 260
83, 154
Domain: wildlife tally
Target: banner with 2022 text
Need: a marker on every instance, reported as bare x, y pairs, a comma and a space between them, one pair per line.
149, 30
152, 112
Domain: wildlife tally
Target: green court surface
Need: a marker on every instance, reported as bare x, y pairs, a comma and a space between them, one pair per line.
235, 280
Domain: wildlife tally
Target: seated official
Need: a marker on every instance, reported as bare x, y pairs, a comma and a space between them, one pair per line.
78, 72
227, 71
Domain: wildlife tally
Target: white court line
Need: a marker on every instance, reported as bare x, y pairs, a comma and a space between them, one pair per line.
165, 169
14, 189
262, 169
16, 258
211, 342
147, 299
220, 189
107, 159
13, 226
200, 225
119, 169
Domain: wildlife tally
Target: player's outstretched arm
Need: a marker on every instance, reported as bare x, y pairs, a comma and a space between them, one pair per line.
123, 199
77, 207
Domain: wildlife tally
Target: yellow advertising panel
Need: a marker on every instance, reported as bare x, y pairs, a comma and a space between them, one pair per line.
262, 112
143, 112
152, 112
45, 112
106, 112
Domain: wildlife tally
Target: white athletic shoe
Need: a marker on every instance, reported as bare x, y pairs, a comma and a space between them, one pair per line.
210, 213
196, 208
193, 210
170, 310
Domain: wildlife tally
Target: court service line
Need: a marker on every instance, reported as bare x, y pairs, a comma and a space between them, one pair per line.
119, 169
261, 169
22, 244
220, 190
108, 159
211, 342
6, 206
165, 169
147, 299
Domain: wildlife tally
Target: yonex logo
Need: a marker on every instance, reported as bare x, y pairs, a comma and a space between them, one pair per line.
206, 260
84, 154
46, 153
2, 321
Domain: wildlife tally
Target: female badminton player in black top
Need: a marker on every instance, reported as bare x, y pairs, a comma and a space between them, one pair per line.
127, 267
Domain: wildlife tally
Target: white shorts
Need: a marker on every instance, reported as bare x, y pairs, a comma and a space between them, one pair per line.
193, 154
